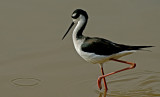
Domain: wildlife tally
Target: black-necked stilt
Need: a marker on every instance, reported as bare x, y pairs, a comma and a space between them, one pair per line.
98, 50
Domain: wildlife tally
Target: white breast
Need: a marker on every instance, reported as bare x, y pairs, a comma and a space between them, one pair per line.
89, 57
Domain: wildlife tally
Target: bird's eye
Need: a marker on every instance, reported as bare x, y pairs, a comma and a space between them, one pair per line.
75, 15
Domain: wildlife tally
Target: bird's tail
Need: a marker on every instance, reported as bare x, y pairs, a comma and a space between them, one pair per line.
140, 48
128, 47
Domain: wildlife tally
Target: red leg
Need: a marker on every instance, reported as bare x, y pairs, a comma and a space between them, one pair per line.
104, 80
133, 65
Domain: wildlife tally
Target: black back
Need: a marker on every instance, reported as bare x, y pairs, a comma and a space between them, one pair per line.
102, 46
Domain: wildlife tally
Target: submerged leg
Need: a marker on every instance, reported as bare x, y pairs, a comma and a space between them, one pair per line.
133, 65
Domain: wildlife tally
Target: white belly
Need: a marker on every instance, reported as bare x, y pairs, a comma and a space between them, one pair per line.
94, 58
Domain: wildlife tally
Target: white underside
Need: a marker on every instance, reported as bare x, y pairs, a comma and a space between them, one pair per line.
94, 58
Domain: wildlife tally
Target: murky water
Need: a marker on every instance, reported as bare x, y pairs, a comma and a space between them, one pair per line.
35, 62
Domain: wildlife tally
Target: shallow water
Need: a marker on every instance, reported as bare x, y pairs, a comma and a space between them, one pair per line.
35, 62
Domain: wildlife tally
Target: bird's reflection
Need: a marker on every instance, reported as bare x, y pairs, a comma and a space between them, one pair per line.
102, 94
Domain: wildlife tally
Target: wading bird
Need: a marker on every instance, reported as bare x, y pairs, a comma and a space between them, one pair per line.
98, 50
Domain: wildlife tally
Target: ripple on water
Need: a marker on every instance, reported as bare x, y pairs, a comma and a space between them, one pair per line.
25, 81
146, 83
137, 84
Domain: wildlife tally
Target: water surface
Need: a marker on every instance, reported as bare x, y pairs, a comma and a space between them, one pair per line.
35, 62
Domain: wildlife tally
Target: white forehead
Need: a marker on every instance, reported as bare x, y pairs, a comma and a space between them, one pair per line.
80, 18
74, 14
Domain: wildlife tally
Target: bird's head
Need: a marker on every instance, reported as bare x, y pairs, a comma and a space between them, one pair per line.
76, 16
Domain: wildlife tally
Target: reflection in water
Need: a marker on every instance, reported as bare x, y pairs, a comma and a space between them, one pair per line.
136, 84
25, 81
132, 84
143, 84
102, 94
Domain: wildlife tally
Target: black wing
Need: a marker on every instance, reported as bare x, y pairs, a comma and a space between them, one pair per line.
102, 46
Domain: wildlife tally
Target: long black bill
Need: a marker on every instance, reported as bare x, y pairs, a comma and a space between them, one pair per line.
68, 30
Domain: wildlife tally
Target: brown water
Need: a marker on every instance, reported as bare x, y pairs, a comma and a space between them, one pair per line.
35, 62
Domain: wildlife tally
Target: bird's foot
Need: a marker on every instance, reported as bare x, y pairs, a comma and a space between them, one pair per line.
99, 83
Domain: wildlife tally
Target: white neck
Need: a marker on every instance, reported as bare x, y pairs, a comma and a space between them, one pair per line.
81, 22
76, 40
